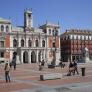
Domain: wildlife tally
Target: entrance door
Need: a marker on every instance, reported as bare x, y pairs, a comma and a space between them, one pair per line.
33, 57
25, 57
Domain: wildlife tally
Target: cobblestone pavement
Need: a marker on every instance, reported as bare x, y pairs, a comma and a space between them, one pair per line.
26, 78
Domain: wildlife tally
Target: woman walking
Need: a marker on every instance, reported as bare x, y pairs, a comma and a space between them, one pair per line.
7, 72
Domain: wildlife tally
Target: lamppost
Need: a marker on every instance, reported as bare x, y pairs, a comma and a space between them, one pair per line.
18, 50
46, 48
25, 35
53, 63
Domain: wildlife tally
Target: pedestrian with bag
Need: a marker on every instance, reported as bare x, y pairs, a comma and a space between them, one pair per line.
75, 67
7, 72
71, 69
40, 66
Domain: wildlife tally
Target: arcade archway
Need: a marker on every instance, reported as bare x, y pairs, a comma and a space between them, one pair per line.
25, 57
33, 57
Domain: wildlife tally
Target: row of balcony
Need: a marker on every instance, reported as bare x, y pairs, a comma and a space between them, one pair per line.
73, 52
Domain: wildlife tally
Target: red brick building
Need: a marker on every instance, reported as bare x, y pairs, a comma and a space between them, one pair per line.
73, 42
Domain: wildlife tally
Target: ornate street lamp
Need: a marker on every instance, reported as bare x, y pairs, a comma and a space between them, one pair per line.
18, 50
54, 49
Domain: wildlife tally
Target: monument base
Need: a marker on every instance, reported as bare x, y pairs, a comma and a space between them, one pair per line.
17, 60
87, 60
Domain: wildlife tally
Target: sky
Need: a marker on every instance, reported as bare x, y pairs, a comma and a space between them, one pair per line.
71, 14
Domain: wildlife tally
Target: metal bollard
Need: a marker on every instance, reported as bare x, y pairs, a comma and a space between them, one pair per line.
83, 71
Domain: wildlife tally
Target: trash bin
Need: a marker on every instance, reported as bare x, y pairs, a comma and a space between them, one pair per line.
83, 71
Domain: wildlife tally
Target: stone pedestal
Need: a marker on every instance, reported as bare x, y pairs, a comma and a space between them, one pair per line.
87, 60
85, 55
17, 59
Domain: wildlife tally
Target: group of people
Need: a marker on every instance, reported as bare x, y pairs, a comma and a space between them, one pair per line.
61, 64
41, 65
72, 68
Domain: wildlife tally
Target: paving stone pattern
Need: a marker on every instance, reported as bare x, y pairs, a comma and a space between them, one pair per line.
26, 78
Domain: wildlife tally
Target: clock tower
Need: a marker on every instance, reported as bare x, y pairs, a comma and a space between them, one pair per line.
28, 19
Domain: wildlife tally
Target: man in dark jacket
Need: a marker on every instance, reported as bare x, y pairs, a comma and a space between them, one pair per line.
75, 67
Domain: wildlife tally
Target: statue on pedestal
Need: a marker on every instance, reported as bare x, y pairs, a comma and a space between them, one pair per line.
85, 55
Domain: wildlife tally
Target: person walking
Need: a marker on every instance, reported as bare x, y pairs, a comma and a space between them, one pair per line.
61, 64
71, 69
40, 66
7, 72
42, 63
75, 67
14, 65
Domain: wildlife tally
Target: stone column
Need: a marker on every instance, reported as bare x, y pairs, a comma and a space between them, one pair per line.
37, 55
22, 57
27, 41
44, 56
19, 42
29, 55
40, 41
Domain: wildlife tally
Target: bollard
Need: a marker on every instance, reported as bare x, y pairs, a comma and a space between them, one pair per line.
83, 71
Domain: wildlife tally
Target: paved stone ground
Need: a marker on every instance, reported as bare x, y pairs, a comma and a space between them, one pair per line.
26, 78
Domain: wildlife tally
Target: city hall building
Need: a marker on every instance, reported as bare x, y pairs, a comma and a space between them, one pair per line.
73, 42
27, 44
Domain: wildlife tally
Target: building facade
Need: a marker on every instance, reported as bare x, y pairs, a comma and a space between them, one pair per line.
27, 44
73, 42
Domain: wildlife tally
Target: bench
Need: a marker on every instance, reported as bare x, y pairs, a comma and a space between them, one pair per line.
51, 76
51, 66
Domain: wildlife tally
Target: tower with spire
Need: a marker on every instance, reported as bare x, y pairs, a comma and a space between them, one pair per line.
28, 19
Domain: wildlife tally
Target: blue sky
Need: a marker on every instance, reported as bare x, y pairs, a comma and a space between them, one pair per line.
69, 13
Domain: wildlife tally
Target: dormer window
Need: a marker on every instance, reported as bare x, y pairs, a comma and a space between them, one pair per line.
15, 43
68, 37
49, 31
29, 15
2, 28
72, 37
53, 44
53, 33
77, 37
7, 28
84, 37
43, 43
56, 33
22, 43
29, 43
81, 38
44, 30
37, 44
